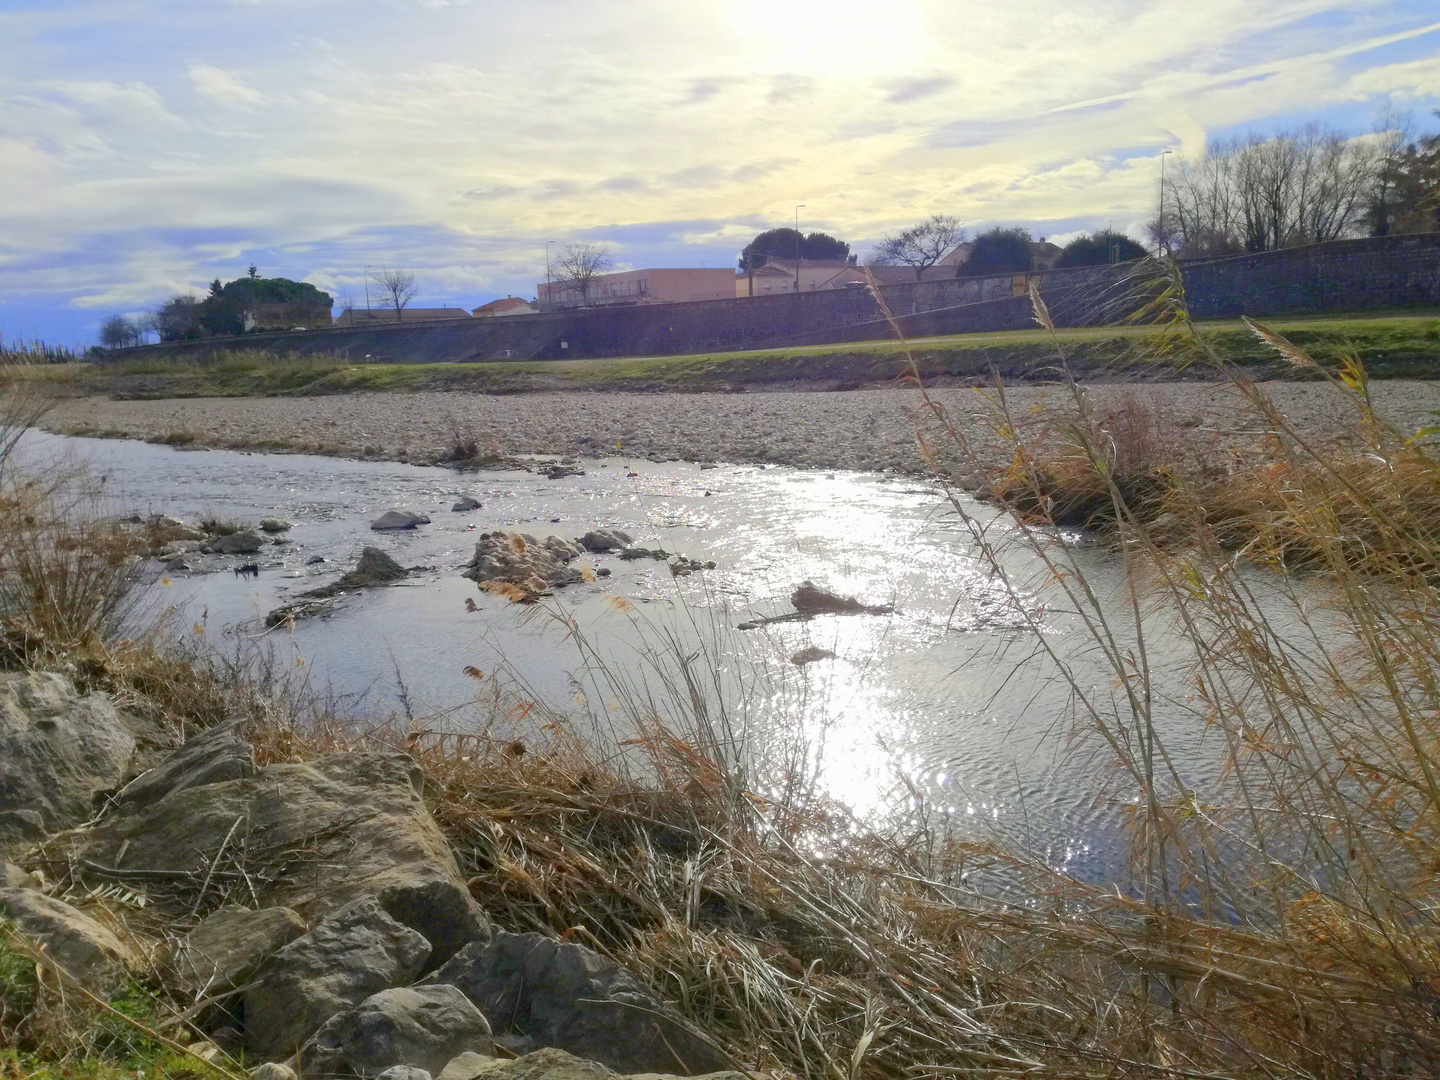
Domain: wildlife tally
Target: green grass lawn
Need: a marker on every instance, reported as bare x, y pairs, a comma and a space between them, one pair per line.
1392, 345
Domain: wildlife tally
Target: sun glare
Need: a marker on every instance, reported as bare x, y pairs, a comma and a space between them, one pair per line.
827, 37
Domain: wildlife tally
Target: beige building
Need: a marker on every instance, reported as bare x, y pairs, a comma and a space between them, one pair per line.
663, 286
779, 276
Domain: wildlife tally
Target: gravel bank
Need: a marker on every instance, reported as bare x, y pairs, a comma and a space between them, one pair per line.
855, 430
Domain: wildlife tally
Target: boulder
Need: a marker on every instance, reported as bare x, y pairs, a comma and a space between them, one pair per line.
312, 836
274, 525
520, 559
567, 996
373, 568
356, 952
465, 502
810, 599
229, 946
600, 540
243, 542
403, 1072
272, 1070
422, 1027
14, 877
548, 1064
59, 751
73, 940
20, 829
810, 655
210, 757
398, 519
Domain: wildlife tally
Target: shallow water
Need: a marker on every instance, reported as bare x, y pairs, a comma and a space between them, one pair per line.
933, 698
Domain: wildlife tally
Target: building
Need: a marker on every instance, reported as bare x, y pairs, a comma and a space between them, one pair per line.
361, 317
674, 285
779, 276
284, 316
506, 305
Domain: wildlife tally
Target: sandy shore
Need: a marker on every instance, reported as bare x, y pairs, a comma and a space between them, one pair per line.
855, 430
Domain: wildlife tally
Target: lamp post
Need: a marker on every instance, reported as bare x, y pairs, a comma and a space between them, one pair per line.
798, 208
367, 291
1160, 224
548, 287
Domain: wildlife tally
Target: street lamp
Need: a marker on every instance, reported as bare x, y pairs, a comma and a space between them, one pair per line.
798, 208
1164, 236
367, 291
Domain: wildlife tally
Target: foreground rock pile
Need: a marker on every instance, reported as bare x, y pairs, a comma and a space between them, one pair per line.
311, 914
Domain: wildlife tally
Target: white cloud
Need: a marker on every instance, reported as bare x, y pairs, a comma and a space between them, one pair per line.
224, 87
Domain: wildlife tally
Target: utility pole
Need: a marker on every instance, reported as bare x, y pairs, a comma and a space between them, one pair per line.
798, 208
549, 289
367, 293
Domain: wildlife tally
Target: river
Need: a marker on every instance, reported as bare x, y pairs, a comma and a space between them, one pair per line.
934, 701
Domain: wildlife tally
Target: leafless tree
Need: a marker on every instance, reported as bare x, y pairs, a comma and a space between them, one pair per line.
398, 289
576, 268
920, 246
1303, 186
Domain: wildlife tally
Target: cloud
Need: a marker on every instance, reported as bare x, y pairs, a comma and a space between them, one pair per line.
220, 85
904, 91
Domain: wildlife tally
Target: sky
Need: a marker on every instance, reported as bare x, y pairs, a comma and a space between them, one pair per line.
149, 146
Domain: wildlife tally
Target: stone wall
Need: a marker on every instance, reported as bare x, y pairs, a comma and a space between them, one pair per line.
1346, 275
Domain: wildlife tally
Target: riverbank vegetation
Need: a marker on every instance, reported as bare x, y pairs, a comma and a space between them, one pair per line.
1397, 345
1278, 918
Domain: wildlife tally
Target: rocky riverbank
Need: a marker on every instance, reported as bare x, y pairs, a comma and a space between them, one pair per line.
870, 429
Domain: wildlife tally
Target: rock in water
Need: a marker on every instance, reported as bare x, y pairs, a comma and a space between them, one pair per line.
244, 542
357, 952
567, 996
59, 751
398, 519
420, 1027
316, 836
229, 946
523, 561
465, 502
274, 525
810, 599
69, 937
374, 568
599, 540
811, 655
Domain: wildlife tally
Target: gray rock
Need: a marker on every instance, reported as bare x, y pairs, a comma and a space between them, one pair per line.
520, 559
810, 655
600, 540
13, 877
313, 837
243, 542
20, 829
272, 1070
403, 1072
357, 952
373, 568
73, 940
548, 1064
210, 757
465, 502
274, 525
59, 751
422, 1027
566, 996
398, 519
229, 946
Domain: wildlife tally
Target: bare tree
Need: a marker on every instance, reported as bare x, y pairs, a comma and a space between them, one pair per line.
398, 289
577, 267
921, 246
117, 332
1303, 186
